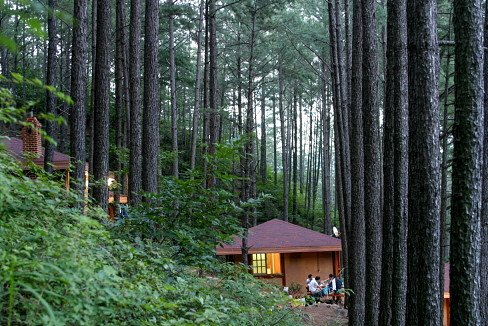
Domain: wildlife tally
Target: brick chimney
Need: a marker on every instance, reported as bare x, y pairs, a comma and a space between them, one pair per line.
31, 137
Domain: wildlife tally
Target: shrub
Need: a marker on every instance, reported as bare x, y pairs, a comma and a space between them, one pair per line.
60, 267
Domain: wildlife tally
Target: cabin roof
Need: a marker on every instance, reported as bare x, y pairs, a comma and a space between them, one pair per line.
15, 147
277, 236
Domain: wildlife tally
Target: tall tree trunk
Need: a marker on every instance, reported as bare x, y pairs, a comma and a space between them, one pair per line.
51, 81
467, 163
79, 63
263, 162
395, 167
356, 233
135, 142
284, 147
295, 154
91, 117
102, 103
172, 83
423, 302
275, 155
119, 86
198, 82
206, 79
63, 133
213, 114
300, 134
348, 46
150, 131
340, 110
372, 160
483, 300
326, 202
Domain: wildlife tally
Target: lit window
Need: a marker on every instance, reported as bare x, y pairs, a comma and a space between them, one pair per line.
266, 264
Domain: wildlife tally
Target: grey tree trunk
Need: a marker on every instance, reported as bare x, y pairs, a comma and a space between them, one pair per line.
395, 167
102, 103
284, 142
213, 114
172, 83
372, 160
198, 82
294, 204
275, 154
79, 63
150, 130
51, 81
300, 135
423, 302
120, 106
356, 229
467, 163
135, 141
341, 114
91, 117
264, 167
326, 193
483, 300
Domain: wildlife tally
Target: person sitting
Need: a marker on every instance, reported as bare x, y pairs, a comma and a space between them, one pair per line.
316, 289
332, 283
307, 281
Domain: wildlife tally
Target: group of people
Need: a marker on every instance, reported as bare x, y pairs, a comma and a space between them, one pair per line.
320, 288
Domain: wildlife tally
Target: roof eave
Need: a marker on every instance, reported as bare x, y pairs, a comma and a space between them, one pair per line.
237, 251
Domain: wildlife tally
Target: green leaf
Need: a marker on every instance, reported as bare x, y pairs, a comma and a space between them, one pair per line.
8, 43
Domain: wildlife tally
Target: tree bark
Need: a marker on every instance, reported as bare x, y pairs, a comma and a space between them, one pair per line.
326, 193
483, 300
423, 302
340, 112
213, 114
294, 204
300, 135
372, 160
102, 103
172, 83
150, 131
79, 63
467, 163
198, 82
120, 106
51, 81
356, 232
283, 143
395, 167
275, 154
135, 142
264, 166
91, 117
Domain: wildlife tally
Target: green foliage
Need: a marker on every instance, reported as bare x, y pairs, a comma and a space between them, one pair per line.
187, 218
60, 267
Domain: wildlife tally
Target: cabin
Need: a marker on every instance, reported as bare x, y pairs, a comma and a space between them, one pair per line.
284, 253
29, 148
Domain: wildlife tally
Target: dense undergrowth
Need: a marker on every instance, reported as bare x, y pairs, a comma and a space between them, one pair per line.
59, 267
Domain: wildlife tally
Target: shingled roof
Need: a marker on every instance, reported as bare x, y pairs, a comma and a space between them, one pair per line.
15, 147
278, 236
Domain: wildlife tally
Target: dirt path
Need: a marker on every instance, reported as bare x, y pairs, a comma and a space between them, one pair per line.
324, 314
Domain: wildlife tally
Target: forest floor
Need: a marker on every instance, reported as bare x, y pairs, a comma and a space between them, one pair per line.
324, 314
